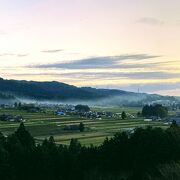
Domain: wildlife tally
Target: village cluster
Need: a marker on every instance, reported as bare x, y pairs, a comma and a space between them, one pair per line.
82, 111
86, 112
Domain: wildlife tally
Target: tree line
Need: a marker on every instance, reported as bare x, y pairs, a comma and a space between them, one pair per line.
157, 110
139, 155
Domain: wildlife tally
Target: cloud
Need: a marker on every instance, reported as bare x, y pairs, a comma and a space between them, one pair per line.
107, 75
52, 51
12, 54
22, 55
147, 81
151, 87
100, 62
7, 54
117, 75
150, 21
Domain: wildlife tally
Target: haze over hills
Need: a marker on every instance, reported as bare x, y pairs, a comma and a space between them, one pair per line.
54, 90
12, 90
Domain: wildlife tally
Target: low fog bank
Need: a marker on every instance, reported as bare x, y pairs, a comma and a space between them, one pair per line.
129, 100
8, 101
105, 102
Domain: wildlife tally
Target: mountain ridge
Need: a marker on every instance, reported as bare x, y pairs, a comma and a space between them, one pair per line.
57, 91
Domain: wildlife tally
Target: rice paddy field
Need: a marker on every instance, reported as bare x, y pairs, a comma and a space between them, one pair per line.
43, 125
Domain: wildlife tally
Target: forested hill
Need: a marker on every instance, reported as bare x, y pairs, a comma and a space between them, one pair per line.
54, 90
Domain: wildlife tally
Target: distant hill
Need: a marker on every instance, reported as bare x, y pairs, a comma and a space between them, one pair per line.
56, 91
53, 90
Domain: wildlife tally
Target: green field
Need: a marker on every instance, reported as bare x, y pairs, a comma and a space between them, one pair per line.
43, 125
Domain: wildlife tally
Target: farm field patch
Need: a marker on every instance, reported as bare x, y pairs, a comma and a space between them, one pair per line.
43, 125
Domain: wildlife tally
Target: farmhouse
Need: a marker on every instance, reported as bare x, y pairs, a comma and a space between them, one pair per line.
109, 114
60, 113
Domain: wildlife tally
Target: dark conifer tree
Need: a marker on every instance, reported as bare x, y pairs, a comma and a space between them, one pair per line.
25, 137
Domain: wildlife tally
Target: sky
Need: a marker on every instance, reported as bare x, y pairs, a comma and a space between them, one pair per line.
121, 44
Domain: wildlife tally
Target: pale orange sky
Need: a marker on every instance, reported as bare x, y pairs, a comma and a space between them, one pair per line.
106, 43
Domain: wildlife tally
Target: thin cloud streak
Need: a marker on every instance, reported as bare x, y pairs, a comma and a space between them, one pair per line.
101, 62
106, 75
7, 54
52, 51
22, 55
12, 54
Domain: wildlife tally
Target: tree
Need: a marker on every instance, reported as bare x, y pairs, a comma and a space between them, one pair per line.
2, 139
138, 114
160, 111
25, 137
155, 110
19, 105
146, 111
15, 104
49, 146
123, 115
82, 108
170, 171
81, 127
75, 146
174, 124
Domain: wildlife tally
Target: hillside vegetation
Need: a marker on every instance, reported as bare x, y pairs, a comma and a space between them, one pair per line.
56, 91
150, 153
